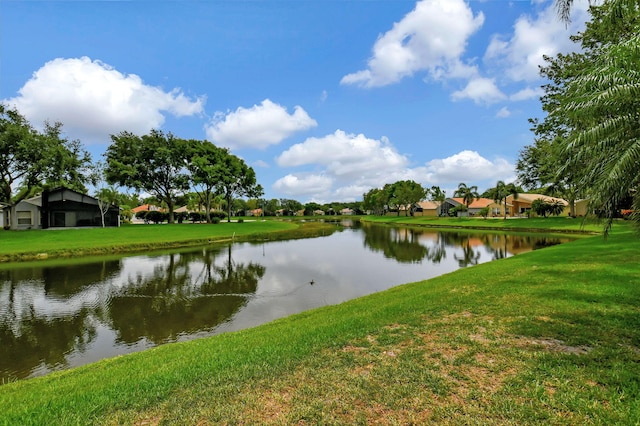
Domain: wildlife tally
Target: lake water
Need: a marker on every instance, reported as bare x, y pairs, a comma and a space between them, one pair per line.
57, 317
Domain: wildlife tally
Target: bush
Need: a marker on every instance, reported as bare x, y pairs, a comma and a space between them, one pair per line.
215, 220
155, 216
240, 220
196, 217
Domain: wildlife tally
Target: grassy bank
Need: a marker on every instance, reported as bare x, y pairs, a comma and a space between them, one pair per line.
549, 224
39, 244
547, 337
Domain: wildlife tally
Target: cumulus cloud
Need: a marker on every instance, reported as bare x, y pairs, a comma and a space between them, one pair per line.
94, 100
480, 90
344, 154
521, 53
344, 166
296, 185
257, 127
430, 38
468, 166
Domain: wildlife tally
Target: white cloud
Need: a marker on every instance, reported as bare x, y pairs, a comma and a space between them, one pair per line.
467, 166
257, 127
521, 53
430, 38
503, 113
526, 94
296, 185
344, 167
344, 154
93, 100
480, 90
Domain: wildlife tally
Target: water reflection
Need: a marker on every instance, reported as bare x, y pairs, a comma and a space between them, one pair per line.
55, 317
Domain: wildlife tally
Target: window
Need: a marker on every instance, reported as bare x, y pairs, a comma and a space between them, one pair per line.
24, 218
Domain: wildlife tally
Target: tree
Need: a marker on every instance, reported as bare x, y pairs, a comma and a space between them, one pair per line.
106, 196
405, 193
375, 200
600, 105
468, 193
203, 162
290, 206
236, 179
437, 194
501, 192
153, 163
31, 160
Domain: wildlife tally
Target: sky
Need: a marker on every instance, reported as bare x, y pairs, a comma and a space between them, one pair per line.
324, 99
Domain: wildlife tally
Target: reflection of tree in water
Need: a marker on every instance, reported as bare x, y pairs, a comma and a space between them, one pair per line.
30, 338
38, 340
400, 244
469, 256
187, 294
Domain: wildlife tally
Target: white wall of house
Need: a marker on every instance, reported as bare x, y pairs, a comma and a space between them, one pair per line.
1, 218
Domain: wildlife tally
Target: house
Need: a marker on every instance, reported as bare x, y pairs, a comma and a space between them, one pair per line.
474, 208
521, 205
427, 208
59, 208
149, 208
346, 211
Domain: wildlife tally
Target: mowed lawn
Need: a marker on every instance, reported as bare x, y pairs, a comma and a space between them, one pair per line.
549, 224
546, 337
15, 245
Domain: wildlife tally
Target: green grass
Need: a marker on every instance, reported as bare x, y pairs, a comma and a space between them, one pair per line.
547, 337
549, 224
34, 244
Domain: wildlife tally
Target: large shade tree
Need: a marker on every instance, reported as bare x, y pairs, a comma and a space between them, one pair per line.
404, 194
236, 179
203, 162
154, 163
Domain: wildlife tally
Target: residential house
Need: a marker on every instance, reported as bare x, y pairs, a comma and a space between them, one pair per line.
346, 211
59, 208
474, 208
521, 206
427, 208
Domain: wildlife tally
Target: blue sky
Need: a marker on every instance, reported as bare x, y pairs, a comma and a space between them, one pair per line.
324, 99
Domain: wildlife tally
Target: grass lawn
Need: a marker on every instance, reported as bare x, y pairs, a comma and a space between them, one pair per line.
549, 224
547, 337
33, 244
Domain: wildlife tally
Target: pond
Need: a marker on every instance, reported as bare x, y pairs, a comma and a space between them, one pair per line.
58, 317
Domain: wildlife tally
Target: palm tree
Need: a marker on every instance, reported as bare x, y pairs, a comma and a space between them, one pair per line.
468, 194
502, 191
